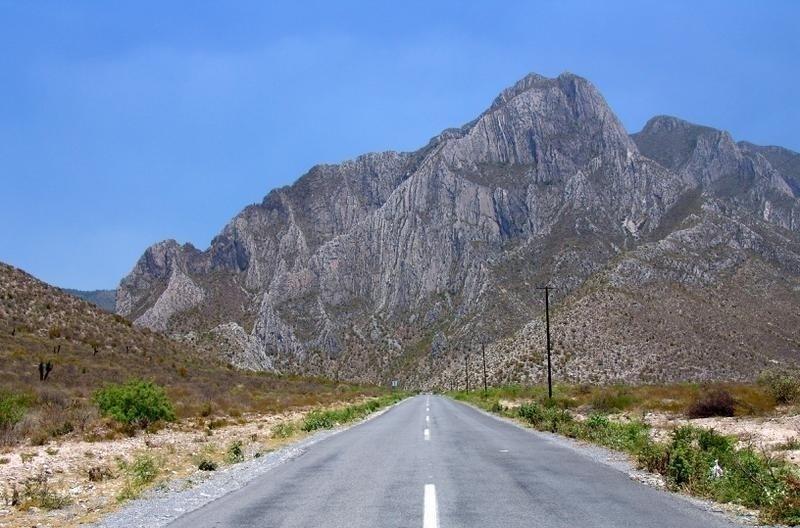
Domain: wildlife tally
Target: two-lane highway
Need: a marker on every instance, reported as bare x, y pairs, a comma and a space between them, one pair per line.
430, 461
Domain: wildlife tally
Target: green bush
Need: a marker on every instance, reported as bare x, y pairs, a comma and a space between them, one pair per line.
235, 452
143, 470
327, 419
550, 418
139, 473
496, 407
12, 408
653, 457
531, 412
782, 385
283, 430
597, 421
136, 403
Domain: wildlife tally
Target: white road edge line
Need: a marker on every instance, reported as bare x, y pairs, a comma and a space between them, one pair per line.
427, 434
430, 517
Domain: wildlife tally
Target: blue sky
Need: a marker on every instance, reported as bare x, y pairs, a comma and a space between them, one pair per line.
122, 124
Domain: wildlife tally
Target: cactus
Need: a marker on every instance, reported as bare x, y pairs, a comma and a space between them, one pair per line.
47, 369
41, 371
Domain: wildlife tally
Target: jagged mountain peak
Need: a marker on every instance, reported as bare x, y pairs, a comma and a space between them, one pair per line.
535, 81
364, 264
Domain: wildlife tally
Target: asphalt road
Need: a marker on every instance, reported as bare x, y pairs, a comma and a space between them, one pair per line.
431, 462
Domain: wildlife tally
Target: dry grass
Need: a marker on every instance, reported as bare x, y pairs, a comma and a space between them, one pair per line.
750, 399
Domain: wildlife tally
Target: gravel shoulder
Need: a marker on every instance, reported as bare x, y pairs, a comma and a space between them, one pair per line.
162, 505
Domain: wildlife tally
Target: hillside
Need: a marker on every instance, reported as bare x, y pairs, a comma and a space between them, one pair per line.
89, 347
392, 264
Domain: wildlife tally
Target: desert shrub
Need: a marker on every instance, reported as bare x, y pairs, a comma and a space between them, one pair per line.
597, 421
326, 419
715, 403
496, 407
143, 470
99, 473
283, 430
207, 465
318, 420
531, 412
37, 493
653, 457
550, 418
782, 385
630, 437
12, 410
136, 403
235, 453
611, 400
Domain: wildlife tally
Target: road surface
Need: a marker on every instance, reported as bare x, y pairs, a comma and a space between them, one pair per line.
429, 462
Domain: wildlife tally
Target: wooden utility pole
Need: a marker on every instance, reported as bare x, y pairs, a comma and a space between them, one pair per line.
483, 353
547, 330
466, 368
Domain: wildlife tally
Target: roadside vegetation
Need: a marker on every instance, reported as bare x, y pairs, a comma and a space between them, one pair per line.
329, 418
690, 459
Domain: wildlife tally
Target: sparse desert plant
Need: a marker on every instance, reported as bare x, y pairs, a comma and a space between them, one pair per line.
283, 430
99, 473
37, 493
12, 410
140, 472
782, 385
136, 403
207, 465
791, 444
718, 402
143, 470
235, 453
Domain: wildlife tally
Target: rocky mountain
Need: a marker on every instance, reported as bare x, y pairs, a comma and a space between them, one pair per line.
105, 299
395, 264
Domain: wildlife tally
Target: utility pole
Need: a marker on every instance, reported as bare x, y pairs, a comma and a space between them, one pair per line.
466, 368
483, 353
547, 329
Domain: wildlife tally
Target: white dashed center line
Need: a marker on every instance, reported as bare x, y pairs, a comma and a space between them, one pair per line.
427, 434
430, 517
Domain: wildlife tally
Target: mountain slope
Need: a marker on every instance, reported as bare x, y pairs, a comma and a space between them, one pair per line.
89, 347
105, 299
387, 265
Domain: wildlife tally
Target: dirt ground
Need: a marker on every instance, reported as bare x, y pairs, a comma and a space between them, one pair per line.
65, 466
771, 434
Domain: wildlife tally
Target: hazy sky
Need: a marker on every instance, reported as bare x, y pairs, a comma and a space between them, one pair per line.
122, 125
